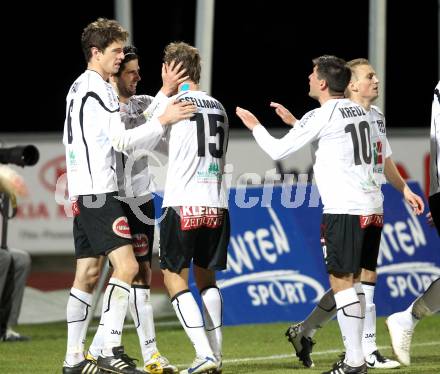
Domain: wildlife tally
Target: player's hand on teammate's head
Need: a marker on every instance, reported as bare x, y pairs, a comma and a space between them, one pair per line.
172, 75
287, 117
249, 120
177, 111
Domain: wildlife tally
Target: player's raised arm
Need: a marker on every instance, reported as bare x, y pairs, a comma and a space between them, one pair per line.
284, 113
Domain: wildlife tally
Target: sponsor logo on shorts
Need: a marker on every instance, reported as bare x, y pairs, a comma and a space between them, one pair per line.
194, 217
372, 219
121, 228
75, 208
140, 245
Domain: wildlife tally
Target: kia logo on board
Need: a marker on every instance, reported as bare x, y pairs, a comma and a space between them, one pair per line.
51, 171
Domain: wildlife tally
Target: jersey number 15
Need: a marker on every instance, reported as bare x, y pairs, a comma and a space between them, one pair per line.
215, 121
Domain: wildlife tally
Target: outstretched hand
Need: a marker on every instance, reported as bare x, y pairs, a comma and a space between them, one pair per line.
287, 117
172, 76
249, 120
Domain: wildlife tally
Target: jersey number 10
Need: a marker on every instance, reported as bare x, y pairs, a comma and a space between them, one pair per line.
364, 131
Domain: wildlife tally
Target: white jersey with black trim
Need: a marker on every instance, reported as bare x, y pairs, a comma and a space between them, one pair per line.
93, 130
134, 177
434, 185
340, 133
197, 149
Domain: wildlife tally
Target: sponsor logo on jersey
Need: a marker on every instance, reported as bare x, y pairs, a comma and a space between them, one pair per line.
112, 98
121, 227
74, 87
194, 217
72, 158
140, 245
381, 126
306, 118
377, 152
212, 175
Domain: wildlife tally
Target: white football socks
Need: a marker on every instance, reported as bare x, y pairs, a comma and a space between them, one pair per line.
77, 311
212, 314
191, 319
142, 312
350, 321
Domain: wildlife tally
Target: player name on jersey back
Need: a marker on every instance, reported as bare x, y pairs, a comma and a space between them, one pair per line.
203, 103
352, 111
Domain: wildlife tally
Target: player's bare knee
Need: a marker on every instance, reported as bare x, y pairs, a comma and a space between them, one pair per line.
131, 269
84, 282
92, 276
369, 276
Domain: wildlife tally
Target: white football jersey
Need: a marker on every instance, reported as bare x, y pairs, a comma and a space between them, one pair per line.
93, 130
340, 132
197, 149
134, 177
434, 174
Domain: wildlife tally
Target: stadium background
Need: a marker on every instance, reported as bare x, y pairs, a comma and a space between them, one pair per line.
262, 51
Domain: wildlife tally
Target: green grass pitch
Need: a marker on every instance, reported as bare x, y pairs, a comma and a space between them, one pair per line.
259, 348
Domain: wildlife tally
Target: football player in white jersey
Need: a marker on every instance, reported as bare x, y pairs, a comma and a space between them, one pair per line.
93, 130
401, 325
196, 227
136, 187
339, 132
364, 90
